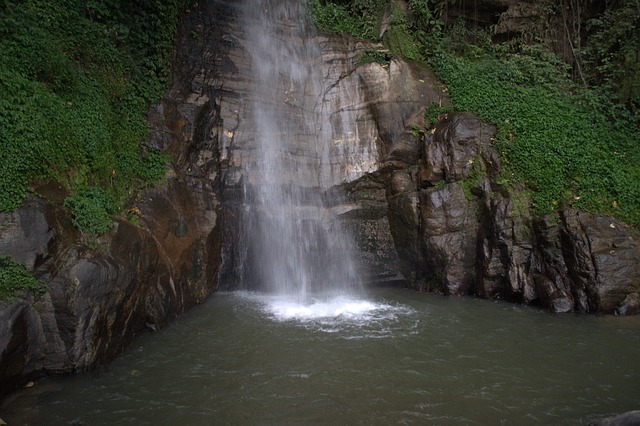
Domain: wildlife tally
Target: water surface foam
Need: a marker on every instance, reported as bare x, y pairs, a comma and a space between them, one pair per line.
335, 313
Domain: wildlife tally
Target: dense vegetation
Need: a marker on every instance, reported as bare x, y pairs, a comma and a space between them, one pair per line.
567, 126
76, 78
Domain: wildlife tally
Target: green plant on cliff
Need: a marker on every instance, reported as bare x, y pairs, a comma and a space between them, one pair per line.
374, 56
359, 18
399, 36
15, 278
474, 179
562, 146
433, 113
612, 53
90, 208
76, 78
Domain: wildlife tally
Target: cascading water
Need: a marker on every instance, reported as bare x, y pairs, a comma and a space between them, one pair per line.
297, 247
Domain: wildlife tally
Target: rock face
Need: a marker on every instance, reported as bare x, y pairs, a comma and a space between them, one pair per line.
367, 111
460, 232
426, 208
99, 299
629, 418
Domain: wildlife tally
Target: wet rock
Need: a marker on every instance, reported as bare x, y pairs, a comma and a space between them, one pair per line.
458, 146
449, 228
22, 344
630, 418
404, 220
478, 238
604, 259
25, 233
365, 217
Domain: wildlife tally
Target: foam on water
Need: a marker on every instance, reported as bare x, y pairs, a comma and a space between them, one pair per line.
340, 307
358, 317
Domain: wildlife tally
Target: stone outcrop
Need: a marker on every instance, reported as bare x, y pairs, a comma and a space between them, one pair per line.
99, 298
630, 418
458, 231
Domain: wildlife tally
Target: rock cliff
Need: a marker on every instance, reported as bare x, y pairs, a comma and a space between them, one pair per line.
462, 232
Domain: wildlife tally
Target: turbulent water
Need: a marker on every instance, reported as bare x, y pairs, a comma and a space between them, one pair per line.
295, 244
394, 357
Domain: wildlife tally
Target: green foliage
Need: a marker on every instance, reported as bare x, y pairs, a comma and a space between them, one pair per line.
612, 52
90, 208
433, 113
520, 200
421, 11
474, 178
426, 26
359, 18
399, 38
15, 278
76, 78
376, 56
564, 148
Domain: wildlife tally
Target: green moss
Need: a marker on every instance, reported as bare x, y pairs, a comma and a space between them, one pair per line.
399, 38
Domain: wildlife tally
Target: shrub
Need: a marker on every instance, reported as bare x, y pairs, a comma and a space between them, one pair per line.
90, 208
359, 18
375, 56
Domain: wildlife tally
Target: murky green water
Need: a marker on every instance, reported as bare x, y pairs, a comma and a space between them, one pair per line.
396, 357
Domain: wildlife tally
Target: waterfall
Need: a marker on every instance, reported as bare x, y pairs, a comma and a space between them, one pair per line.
296, 245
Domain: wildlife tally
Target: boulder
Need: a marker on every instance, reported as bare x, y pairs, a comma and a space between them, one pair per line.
630, 418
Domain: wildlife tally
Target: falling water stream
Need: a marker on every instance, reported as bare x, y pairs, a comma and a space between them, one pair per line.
309, 346
297, 248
